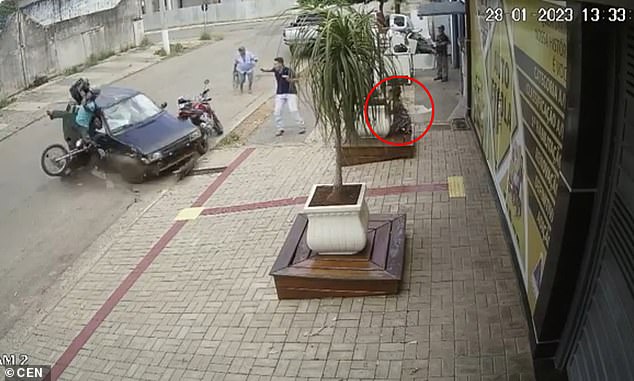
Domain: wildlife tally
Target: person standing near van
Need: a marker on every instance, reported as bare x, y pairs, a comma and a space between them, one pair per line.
442, 60
286, 95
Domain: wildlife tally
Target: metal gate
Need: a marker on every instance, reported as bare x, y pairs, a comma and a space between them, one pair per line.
603, 343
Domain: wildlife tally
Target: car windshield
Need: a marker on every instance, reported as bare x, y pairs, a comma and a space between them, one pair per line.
309, 19
129, 112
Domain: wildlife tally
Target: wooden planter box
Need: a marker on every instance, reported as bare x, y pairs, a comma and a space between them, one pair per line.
372, 150
377, 270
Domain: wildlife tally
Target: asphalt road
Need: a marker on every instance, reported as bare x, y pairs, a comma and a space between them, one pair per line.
46, 223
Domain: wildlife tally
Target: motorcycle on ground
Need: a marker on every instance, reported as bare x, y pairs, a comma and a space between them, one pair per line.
58, 160
200, 113
423, 46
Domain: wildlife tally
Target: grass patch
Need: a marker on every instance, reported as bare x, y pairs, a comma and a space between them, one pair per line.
105, 55
73, 70
94, 59
232, 139
175, 49
124, 49
206, 36
38, 81
4, 102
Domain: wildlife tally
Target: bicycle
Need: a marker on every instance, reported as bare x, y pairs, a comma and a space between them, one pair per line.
236, 80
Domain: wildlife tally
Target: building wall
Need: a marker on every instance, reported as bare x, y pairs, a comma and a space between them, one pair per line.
11, 75
47, 12
227, 10
519, 89
49, 49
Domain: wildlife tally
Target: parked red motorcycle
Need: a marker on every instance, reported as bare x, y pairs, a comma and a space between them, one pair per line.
200, 113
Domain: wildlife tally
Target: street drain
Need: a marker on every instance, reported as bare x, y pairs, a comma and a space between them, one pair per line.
189, 170
459, 124
206, 170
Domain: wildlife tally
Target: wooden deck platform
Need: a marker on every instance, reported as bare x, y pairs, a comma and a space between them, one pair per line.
372, 150
300, 273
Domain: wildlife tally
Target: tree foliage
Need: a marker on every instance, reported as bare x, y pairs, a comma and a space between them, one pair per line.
7, 8
326, 3
340, 68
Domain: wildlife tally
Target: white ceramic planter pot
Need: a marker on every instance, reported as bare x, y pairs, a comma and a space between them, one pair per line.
337, 229
380, 121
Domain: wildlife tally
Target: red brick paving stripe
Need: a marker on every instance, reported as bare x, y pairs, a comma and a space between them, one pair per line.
202, 199
89, 329
374, 192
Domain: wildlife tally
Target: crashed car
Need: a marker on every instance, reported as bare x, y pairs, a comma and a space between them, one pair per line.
135, 134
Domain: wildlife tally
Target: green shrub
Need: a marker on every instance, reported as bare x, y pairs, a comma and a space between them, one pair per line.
177, 48
145, 42
4, 102
230, 140
205, 36
39, 80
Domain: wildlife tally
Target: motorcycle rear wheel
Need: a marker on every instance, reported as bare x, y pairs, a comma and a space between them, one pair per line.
51, 156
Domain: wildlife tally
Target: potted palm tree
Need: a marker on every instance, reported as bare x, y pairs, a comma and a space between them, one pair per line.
340, 66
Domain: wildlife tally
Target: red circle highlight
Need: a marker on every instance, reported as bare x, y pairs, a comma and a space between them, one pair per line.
367, 103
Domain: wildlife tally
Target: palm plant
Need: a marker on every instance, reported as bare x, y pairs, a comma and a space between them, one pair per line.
340, 67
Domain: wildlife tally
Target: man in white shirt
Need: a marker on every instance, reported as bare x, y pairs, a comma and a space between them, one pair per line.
243, 64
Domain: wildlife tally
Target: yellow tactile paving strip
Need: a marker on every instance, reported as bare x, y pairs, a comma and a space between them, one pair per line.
189, 214
455, 185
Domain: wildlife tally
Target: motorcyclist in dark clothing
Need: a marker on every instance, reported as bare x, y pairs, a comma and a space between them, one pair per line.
80, 120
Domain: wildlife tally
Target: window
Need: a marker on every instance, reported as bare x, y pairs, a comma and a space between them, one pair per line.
129, 112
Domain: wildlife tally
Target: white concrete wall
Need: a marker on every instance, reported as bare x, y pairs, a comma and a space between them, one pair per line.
228, 10
50, 49
47, 12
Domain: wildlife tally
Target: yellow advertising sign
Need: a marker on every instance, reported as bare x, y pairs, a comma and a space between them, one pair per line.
518, 84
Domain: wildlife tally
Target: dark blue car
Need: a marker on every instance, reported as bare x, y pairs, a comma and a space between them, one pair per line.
142, 137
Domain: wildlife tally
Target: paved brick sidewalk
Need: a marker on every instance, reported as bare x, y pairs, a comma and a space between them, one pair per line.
192, 300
